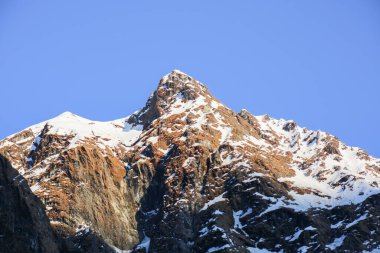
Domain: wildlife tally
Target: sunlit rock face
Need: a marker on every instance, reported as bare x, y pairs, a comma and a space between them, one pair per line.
187, 174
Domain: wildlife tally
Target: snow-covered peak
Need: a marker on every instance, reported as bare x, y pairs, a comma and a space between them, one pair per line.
179, 72
67, 114
242, 167
80, 130
64, 121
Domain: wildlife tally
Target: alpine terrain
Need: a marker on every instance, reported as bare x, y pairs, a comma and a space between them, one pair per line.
185, 174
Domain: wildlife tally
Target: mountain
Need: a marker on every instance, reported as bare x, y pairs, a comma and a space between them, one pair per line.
187, 174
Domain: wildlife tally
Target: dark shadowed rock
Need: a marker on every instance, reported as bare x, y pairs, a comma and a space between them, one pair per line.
24, 226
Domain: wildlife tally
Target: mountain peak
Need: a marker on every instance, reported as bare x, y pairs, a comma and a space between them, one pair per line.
178, 81
179, 72
67, 114
172, 87
174, 72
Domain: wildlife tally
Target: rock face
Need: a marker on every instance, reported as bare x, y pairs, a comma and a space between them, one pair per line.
24, 224
187, 174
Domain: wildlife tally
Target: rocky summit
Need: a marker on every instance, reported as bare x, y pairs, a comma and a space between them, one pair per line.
185, 174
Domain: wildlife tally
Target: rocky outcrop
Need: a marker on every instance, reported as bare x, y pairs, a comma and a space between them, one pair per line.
85, 186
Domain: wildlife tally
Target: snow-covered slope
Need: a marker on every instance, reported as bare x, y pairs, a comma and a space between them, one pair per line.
109, 133
335, 174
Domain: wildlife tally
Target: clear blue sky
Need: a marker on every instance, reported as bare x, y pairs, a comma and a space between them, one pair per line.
317, 62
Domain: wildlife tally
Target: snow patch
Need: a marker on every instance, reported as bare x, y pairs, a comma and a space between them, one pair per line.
214, 249
257, 250
336, 243
144, 244
213, 201
363, 217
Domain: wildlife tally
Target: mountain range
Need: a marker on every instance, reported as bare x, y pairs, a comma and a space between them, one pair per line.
185, 174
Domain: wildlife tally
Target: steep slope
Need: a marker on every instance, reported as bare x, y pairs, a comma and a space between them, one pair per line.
24, 224
187, 174
75, 167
